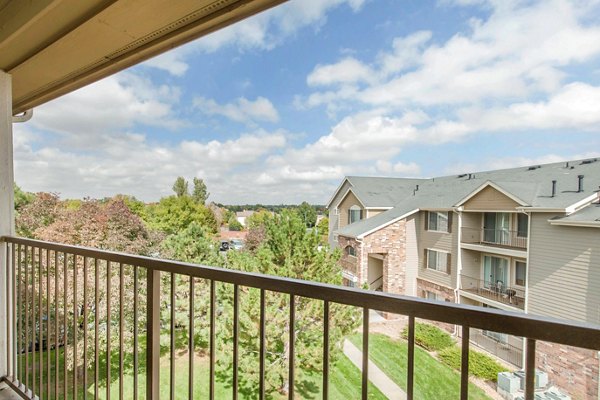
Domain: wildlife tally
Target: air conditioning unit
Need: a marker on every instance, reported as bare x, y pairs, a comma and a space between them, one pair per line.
508, 382
540, 381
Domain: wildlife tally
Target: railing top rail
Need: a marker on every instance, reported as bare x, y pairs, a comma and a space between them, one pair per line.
570, 333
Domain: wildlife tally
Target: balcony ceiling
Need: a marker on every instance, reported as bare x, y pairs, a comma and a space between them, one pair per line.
52, 47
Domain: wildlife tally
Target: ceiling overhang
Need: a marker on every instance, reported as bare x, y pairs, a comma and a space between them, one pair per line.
53, 47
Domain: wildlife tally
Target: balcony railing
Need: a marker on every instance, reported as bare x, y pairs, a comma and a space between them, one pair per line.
501, 349
497, 291
494, 237
53, 303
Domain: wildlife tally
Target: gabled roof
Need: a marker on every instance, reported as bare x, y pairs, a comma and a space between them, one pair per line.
529, 186
588, 216
378, 192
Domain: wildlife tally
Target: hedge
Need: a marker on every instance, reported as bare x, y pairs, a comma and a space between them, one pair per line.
430, 337
480, 365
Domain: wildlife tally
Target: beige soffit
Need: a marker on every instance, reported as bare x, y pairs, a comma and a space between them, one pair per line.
53, 47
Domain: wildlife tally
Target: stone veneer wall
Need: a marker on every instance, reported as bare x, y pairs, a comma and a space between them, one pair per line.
572, 369
443, 292
350, 263
391, 243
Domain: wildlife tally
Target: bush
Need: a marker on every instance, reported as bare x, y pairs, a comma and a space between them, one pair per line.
480, 365
430, 337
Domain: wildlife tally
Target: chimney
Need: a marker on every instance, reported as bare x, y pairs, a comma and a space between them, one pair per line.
553, 188
580, 183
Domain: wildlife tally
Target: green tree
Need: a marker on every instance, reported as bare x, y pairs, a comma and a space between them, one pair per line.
323, 229
234, 224
180, 187
200, 193
173, 214
258, 219
308, 214
22, 198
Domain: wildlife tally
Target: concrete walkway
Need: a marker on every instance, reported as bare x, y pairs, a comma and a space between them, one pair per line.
376, 376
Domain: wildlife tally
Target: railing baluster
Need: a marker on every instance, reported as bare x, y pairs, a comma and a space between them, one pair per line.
27, 347
153, 335
530, 369
325, 350
464, 363
65, 332
292, 342
40, 324
121, 342
135, 332
211, 388
96, 327
19, 339
75, 326
236, 328
191, 343
33, 325
48, 323
85, 326
365, 359
172, 349
108, 323
410, 367
261, 374
8, 294
56, 322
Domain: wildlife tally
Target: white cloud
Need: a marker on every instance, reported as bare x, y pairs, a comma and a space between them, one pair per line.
264, 31
515, 53
242, 110
348, 70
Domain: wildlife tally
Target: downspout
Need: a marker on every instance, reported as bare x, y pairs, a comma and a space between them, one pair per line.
526, 309
23, 117
458, 211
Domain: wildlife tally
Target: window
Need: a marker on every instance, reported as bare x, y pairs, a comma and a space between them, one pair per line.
354, 214
520, 273
495, 272
522, 225
431, 295
438, 221
438, 261
350, 251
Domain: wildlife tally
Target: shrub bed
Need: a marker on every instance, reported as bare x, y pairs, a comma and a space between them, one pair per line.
480, 365
430, 337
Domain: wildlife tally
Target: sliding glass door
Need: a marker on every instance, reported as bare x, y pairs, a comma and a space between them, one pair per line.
495, 272
496, 228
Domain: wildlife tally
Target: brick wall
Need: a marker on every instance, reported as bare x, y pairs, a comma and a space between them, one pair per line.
572, 369
350, 263
443, 292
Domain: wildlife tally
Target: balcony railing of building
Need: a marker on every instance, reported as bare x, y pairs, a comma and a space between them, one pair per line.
494, 237
53, 303
494, 290
502, 349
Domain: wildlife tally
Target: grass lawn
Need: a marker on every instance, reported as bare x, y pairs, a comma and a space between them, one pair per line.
432, 379
344, 380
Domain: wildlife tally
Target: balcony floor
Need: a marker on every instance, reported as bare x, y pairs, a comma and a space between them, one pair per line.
515, 301
6, 393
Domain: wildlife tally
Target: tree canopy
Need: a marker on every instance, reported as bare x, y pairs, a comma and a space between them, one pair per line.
308, 214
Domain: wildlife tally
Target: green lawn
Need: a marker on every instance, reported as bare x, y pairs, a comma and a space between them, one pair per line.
344, 380
432, 379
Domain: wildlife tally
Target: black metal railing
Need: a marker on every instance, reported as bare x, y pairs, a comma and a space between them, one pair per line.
494, 237
495, 290
57, 303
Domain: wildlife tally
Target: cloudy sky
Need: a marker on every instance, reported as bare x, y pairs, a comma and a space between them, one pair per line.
278, 108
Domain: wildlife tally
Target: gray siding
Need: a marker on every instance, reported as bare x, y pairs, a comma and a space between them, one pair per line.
333, 218
564, 271
447, 242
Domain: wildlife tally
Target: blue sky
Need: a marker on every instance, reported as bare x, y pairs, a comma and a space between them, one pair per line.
278, 108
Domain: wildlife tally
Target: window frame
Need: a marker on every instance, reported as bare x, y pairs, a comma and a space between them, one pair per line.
437, 221
348, 252
352, 210
519, 231
446, 269
524, 273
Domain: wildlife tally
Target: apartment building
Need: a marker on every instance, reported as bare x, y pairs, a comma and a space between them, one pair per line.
521, 239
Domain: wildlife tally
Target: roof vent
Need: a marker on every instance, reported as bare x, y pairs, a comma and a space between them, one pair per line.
579, 183
533, 167
417, 188
567, 164
553, 188
593, 160
462, 175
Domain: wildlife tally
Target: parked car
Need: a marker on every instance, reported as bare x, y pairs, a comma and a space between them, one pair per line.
224, 246
236, 244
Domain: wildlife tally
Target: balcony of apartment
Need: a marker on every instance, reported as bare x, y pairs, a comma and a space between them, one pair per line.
495, 292
52, 306
497, 241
